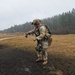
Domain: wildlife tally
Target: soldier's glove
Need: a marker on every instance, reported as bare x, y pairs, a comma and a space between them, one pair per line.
34, 39
38, 38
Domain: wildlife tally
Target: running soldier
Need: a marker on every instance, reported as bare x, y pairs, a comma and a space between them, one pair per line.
43, 35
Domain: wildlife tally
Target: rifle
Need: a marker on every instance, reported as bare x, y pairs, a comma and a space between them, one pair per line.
26, 35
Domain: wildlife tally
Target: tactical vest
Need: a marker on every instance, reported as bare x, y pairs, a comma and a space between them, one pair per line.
46, 37
37, 31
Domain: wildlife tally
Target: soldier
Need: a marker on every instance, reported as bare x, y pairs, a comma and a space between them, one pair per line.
42, 34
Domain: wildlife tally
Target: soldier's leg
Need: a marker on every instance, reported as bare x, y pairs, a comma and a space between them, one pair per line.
44, 52
39, 54
45, 56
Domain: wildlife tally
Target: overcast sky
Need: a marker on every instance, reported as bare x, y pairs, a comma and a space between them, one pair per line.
20, 11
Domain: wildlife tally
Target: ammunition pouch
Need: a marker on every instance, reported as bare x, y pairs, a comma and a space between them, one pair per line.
49, 39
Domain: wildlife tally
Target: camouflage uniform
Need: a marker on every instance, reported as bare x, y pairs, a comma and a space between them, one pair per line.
42, 43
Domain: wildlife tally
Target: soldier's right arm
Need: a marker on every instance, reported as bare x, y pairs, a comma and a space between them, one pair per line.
29, 32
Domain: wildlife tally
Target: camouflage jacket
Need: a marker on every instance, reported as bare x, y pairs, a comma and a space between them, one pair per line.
40, 32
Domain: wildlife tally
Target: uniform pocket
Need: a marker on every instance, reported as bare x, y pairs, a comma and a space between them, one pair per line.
45, 44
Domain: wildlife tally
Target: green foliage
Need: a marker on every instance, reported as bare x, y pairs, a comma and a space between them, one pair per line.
59, 24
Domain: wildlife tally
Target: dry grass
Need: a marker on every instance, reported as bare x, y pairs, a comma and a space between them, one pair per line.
63, 45
61, 52
19, 42
5, 35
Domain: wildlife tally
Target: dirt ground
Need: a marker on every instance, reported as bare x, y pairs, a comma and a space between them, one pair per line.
18, 55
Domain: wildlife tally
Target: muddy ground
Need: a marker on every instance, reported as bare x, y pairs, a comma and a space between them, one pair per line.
21, 61
14, 61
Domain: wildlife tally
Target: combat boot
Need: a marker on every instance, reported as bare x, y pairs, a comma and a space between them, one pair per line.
39, 60
45, 62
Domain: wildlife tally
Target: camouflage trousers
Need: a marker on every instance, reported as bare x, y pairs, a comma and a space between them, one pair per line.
42, 50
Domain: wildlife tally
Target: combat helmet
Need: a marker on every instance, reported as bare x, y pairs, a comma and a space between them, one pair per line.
36, 21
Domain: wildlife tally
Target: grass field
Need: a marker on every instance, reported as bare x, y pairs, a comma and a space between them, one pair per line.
18, 55
5, 35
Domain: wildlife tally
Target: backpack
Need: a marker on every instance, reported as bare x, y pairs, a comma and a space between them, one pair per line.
48, 29
48, 36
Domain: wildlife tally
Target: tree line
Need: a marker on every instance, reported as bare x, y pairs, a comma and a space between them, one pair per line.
59, 24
